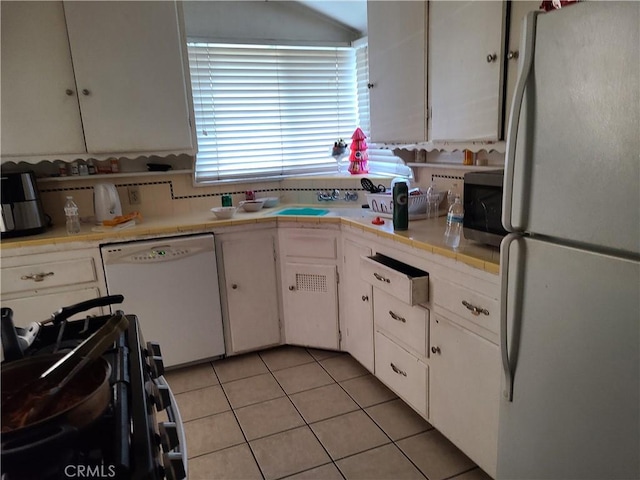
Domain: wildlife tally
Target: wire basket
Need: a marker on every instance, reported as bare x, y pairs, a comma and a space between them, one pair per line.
383, 203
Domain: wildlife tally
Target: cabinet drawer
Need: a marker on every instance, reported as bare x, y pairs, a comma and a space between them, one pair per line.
309, 245
402, 372
47, 275
407, 283
472, 306
408, 324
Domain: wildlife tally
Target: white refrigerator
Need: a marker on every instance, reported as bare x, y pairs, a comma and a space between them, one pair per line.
570, 319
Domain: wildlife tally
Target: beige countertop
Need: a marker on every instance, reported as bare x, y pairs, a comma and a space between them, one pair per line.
425, 235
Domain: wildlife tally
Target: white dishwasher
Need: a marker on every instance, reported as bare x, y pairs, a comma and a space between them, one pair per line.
171, 285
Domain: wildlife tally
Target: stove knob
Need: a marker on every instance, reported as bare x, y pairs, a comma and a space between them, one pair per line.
153, 349
160, 396
173, 466
154, 359
156, 366
168, 435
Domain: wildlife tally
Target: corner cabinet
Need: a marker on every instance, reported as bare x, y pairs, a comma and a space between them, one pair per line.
397, 70
310, 287
466, 64
249, 284
94, 78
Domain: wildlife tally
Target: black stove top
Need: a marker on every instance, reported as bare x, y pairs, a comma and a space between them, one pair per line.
126, 440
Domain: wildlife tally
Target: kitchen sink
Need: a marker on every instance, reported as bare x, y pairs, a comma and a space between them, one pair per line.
303, 211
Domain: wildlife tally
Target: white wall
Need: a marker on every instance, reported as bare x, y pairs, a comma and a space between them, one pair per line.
262, 21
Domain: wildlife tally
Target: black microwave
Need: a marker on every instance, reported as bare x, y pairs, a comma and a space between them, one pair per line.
483, 207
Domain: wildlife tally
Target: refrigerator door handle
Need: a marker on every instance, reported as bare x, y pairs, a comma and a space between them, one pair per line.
527, 50
505, 247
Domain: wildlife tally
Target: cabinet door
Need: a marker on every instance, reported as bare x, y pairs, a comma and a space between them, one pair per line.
310, 297
128, 63
396, 32
519, 10
465, 391
251, 292
466, 69
356, 301
40, 113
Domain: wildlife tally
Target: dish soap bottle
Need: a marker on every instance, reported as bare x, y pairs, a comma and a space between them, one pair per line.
454, 224
73, 216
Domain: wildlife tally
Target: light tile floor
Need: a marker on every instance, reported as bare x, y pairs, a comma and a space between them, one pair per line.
298, 413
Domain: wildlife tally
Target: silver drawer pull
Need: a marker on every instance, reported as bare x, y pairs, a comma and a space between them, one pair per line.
475, 310
397, 370
381, 278
397, 317
37, 277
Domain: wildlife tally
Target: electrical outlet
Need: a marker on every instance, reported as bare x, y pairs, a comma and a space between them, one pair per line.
134, 195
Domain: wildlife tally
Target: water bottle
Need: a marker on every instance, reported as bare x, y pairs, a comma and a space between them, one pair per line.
433, 201
73, 216
454, 224
400, 206
451, 198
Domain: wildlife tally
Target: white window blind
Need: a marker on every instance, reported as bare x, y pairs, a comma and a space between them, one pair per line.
362, 88
269, 111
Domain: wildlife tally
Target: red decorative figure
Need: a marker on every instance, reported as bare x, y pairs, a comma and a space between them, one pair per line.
358, 159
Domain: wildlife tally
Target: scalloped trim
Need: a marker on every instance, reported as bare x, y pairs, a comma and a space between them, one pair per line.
69, 158
489, 147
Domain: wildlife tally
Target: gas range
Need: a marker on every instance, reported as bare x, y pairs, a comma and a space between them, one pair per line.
126, 440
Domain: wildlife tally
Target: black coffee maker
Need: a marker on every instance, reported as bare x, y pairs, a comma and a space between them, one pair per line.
22, 212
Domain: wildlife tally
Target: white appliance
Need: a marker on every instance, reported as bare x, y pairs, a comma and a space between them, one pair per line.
171, 284
106, 202
570, 326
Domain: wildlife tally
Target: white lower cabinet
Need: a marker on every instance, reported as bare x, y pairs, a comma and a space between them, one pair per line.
356, 304
34, 286
309, 267
403, 372
465, 390
250, 290
310, 304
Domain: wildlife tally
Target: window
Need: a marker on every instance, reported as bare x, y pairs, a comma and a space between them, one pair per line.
269, 111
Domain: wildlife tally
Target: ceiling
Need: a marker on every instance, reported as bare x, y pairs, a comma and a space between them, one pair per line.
350, 13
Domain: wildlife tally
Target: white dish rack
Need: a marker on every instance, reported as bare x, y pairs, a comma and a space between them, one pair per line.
382, 205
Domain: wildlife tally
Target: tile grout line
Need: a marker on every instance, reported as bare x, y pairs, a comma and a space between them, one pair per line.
392, 441
246, 441
304, 420
307, 424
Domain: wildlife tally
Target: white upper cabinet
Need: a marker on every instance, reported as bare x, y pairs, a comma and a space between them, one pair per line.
397, 70
40, 112
128, 62
466, 58
128, 56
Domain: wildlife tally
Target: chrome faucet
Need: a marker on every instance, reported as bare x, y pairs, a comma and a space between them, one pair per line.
329, 196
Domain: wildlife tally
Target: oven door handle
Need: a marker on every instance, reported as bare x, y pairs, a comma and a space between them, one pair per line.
173, 412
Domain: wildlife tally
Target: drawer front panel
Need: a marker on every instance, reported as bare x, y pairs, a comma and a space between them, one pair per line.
309, 246
410, 290
408, 324
402, 372
47, 275
40, 307
472, 306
